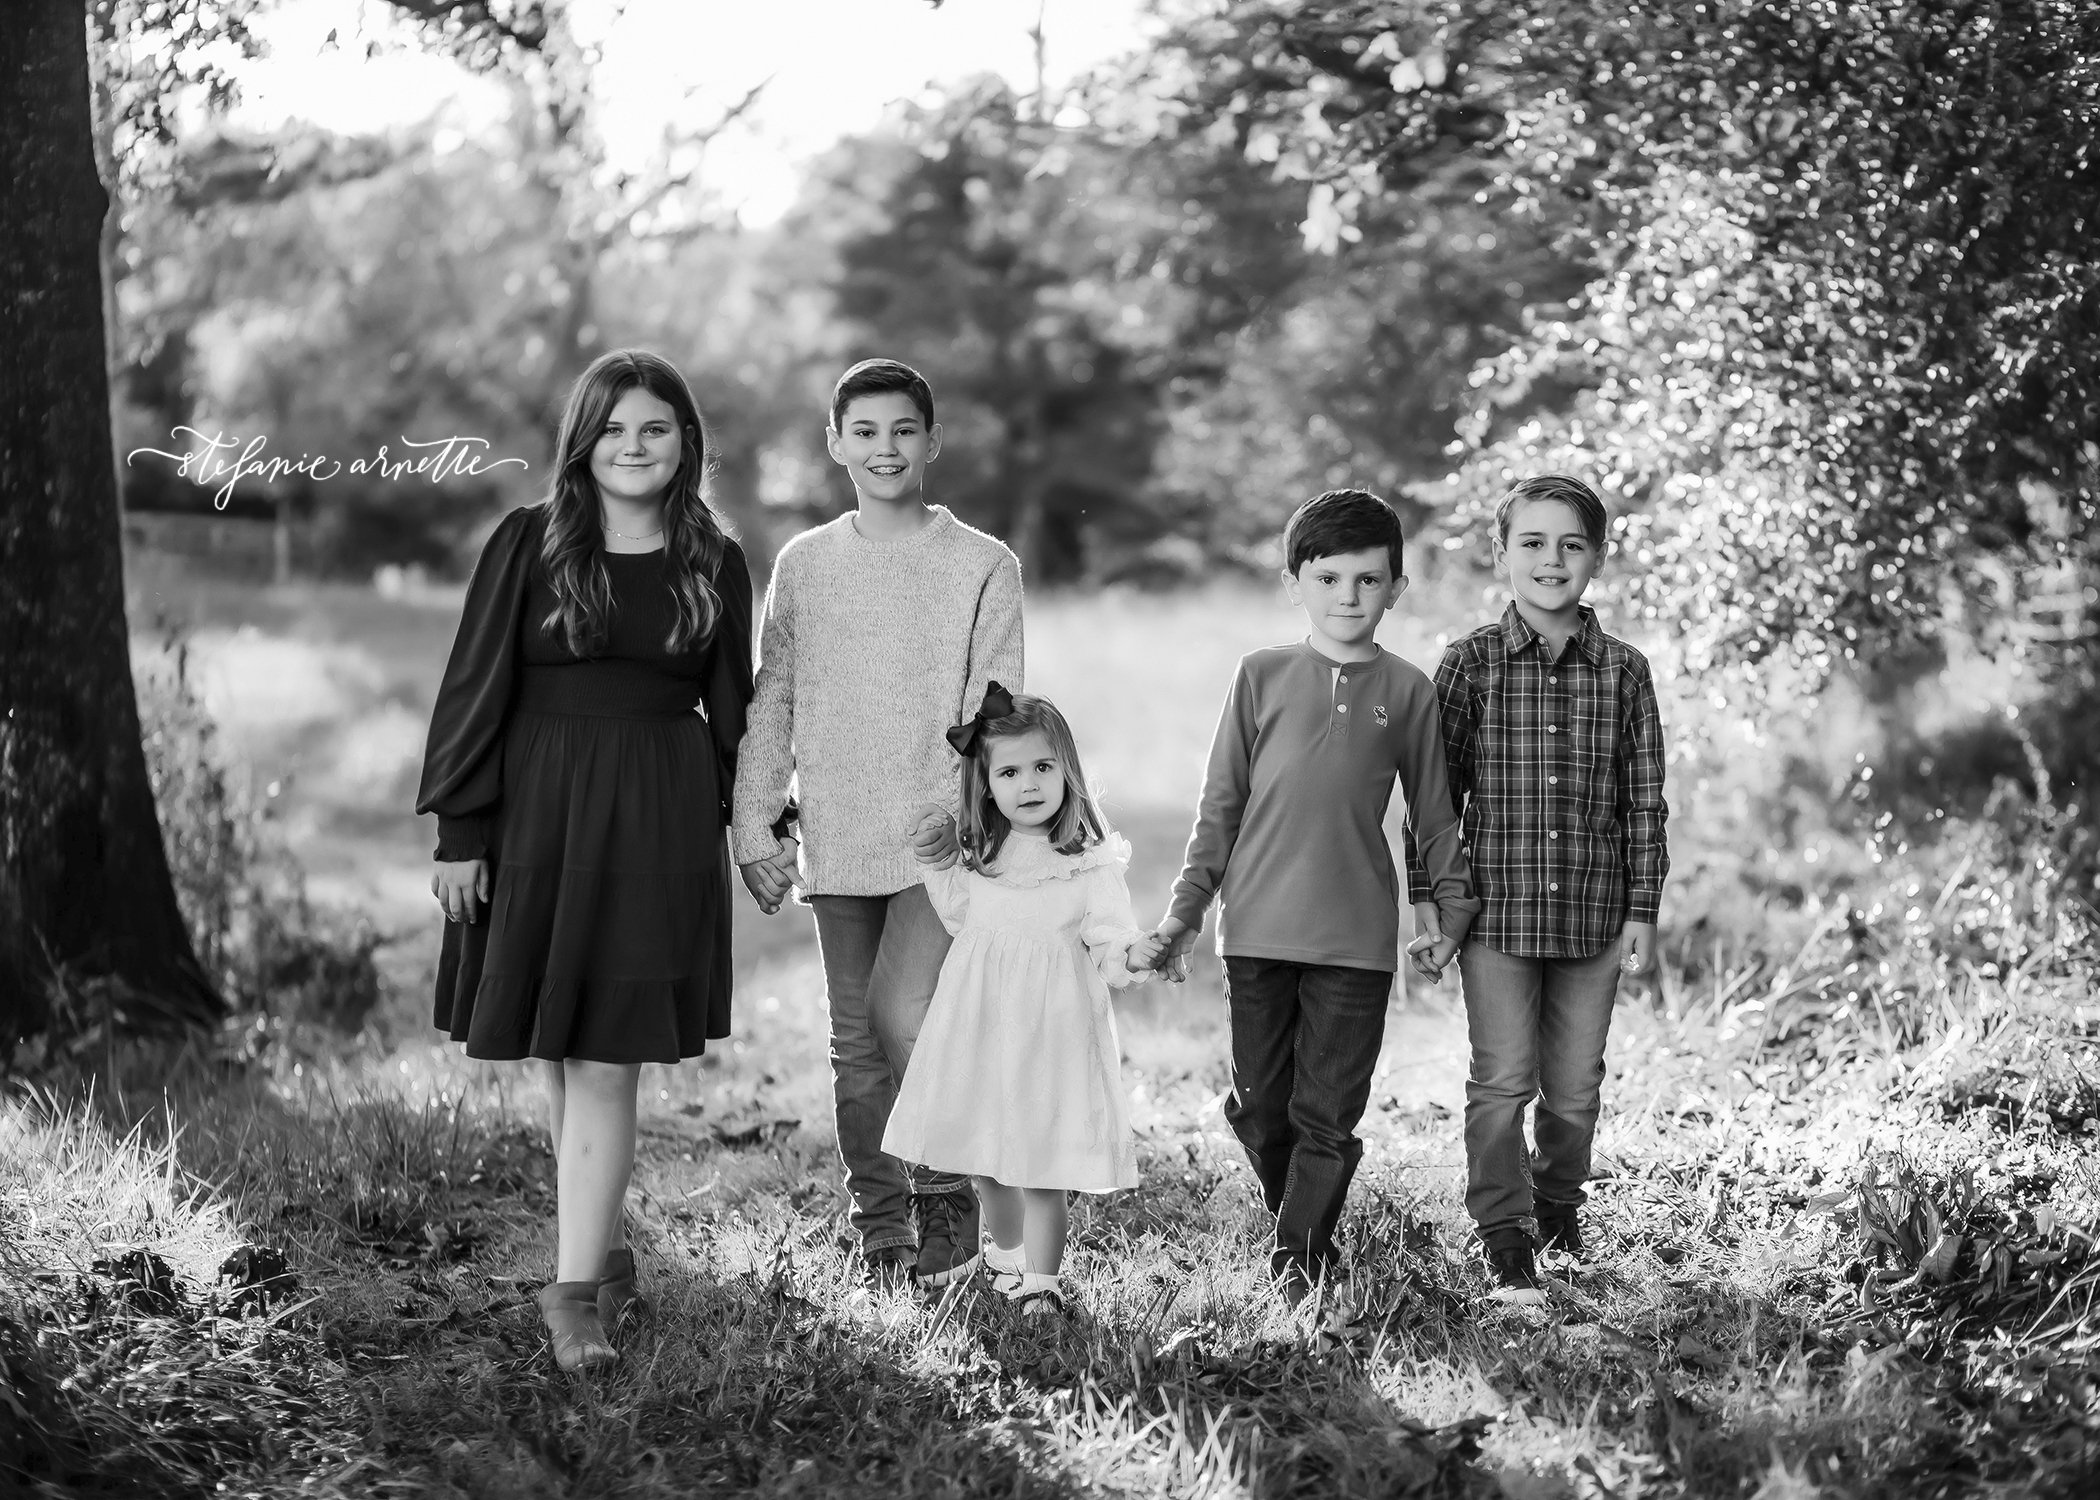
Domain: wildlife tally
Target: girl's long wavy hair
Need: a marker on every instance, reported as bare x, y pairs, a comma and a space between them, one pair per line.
575, 540
984, 828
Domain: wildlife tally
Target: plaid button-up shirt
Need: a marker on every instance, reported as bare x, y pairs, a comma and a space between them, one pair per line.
1556, 772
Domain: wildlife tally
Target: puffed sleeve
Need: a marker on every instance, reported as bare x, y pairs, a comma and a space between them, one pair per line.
1110, 927
463, 758
728, 691
949, 890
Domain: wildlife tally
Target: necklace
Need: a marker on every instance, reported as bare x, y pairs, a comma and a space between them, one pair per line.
623, 536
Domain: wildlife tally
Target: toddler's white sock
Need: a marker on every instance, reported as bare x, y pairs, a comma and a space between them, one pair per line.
1039, 1281
1005, 1267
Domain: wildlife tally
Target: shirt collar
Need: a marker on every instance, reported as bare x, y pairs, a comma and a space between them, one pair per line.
1518, 636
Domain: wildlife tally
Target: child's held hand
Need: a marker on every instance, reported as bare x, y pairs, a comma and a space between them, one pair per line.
933, 840
1178, 938
770, 879
1431, 950
1636, 947
1147, 951
1429, 957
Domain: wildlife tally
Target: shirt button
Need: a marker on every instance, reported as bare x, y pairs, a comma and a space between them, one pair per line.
1341, 708
1553, 885
1554, 834
1345, 682
1553, 781
1553, 729
1553, 679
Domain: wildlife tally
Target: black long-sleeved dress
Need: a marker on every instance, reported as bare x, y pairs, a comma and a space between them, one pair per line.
599, 796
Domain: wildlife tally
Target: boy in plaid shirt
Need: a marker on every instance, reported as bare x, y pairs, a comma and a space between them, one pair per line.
1554, 750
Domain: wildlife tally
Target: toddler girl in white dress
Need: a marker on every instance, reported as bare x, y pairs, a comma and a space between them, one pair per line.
1015, 1078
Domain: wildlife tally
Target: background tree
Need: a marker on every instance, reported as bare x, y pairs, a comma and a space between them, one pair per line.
84, 885
1838, 352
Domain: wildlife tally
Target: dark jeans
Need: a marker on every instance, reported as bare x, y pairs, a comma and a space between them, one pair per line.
1304, 1040
1538, 1028
882, 958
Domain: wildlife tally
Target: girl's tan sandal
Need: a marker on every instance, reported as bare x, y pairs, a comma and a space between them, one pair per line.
570, 1311
618, 1296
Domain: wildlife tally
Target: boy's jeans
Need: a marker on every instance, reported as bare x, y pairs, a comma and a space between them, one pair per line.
1538, 1027
1304, 1040
882, 959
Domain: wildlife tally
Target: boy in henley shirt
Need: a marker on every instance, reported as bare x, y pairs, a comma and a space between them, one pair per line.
1290, 836
882, 628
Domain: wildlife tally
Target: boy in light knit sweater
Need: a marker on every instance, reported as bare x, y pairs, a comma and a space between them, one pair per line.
882, 628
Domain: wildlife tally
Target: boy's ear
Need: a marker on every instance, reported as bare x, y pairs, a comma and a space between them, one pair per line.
933, 442
1399, 587
831, 444
1290, 586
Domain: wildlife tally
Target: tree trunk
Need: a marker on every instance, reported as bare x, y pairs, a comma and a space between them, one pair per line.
84, 881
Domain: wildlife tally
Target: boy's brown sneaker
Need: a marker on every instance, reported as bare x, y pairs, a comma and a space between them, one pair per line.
1513, 1277
1559, 1229
948, 1236
890, 1266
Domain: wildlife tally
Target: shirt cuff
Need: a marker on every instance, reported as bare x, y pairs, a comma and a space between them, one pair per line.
1643, 906
747, 845
1456, 918
462, 838
1188, 906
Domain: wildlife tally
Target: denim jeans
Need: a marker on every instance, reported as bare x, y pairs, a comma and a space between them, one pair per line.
1304, 1040
1538, 1028
882, 959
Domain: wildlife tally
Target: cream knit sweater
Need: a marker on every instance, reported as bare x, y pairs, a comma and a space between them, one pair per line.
869, 651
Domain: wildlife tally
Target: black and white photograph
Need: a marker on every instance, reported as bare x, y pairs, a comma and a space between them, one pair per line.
1049, 748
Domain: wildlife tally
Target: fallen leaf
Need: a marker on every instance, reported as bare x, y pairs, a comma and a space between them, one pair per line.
1938, 1263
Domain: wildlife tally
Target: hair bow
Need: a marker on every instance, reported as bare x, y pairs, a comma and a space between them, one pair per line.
998, 704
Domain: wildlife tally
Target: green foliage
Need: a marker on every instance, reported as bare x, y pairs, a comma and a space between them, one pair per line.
272, 951
1836, 360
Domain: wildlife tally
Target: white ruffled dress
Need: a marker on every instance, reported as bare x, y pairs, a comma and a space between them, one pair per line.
1016, 1074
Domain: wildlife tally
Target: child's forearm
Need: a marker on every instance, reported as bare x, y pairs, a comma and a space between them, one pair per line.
766, 757
998, 645
1227, 782
1203, 866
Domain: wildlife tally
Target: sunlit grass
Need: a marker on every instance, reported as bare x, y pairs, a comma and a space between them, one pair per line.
1713, 1341
1922, 1018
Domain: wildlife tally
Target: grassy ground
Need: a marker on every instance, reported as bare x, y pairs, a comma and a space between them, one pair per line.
1844, 1220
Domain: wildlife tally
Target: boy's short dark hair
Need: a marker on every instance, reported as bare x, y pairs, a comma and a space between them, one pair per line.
873, 377
1565, 488
1336, 521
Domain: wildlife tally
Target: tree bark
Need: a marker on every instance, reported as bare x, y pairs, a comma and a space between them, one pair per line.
84, 883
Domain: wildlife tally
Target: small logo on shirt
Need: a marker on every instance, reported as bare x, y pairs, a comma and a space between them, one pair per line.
1378, 715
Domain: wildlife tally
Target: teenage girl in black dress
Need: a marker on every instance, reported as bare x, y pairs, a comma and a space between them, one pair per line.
581, 798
